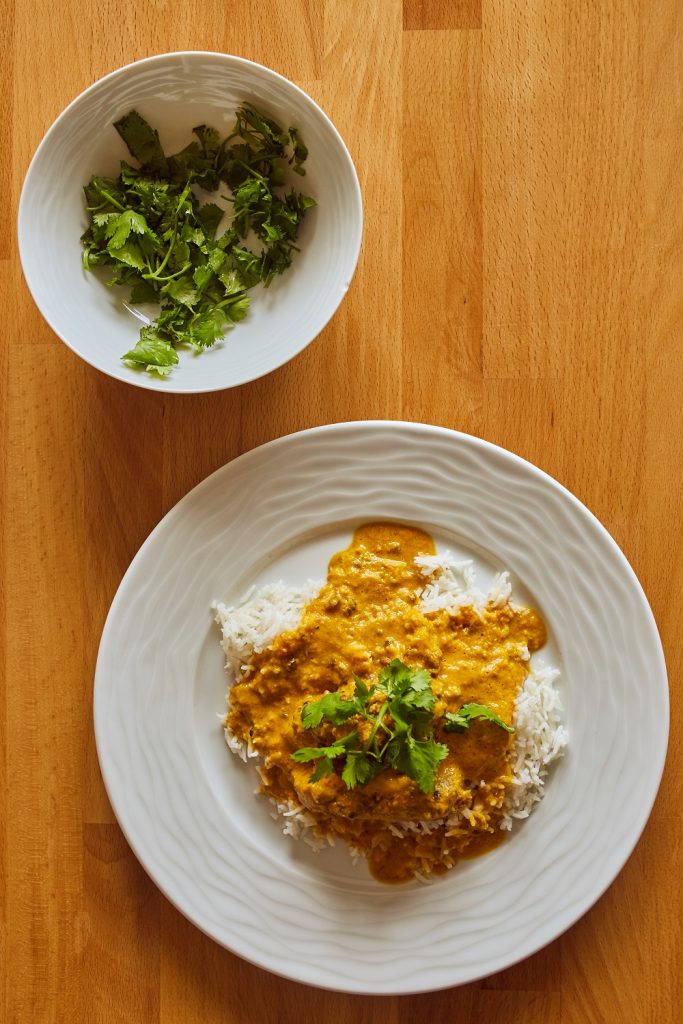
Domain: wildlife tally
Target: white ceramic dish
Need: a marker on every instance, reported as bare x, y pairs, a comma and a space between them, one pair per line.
176, 91
187, 805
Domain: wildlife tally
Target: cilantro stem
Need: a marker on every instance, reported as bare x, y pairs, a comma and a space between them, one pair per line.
382, 752
250, 170
110, 199
168, 277
376, 726
155, 275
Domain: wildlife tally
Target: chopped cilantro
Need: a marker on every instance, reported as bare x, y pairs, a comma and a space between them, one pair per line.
150, 227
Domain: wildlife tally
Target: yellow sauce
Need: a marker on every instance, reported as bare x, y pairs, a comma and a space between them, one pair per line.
367, 613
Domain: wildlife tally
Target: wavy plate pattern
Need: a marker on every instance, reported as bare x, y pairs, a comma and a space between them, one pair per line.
192, 829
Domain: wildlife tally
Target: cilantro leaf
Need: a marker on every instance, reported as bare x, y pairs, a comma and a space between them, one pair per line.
459, 721
236, 308
129, 253
418, 759
304, 754
181, 290
359, 769
424, 757
152, 353
119, 228
216, 259
362, 692
414, 689
324, 767
299, 151
104, 192
331, 708
411, 701
205, 329
209, 216
231, 281
395, 677
143, 142
144, 291
335, 749
202, 276
248, 265
102, 219
209, 139
188, 164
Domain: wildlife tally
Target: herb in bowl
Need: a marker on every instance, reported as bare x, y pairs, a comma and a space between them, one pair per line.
149, 225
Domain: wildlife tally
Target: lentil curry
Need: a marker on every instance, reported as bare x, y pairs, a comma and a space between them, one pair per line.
367, 614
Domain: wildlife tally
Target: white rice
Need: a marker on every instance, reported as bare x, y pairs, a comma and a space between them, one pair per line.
452, 584
261, 615
540, 738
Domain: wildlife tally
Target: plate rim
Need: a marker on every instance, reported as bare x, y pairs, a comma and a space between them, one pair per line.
579, 909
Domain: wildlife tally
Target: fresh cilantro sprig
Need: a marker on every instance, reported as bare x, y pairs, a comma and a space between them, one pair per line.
150, 227
325, 755
400, 707
459, 721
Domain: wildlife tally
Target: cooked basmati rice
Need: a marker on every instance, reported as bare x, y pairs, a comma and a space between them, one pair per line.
260, 616
452, 584
540, 737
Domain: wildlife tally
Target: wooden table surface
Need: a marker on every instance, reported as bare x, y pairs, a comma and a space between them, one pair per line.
520, 279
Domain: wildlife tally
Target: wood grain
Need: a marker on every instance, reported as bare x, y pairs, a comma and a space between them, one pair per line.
426, 14
520, 279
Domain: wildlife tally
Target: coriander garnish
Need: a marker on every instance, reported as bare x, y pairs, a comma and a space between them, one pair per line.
460, 720
402, 731
401, 735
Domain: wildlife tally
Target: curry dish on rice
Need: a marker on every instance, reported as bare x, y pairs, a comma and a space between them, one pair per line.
368, 623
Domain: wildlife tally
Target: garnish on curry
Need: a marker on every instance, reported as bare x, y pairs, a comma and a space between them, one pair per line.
374, 713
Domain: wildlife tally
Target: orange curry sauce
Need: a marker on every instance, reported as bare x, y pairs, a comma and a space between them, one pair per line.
367, 613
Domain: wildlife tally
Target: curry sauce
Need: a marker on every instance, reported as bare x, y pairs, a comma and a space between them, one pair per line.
368, 613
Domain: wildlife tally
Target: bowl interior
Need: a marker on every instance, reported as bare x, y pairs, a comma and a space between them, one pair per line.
175, 92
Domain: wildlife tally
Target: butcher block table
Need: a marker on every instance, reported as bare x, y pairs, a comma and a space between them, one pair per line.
521, 279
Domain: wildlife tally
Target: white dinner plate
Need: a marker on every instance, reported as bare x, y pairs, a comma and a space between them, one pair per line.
187, 806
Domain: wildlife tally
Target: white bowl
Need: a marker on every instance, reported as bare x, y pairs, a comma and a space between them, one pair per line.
176, 91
